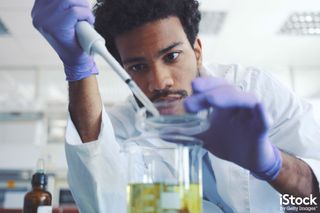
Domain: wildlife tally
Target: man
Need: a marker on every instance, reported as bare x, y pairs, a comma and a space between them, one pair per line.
249, 162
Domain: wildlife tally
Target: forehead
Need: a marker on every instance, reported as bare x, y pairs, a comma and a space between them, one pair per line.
151, 37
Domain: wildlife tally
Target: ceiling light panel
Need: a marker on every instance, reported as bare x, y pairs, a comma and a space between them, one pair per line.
302, 23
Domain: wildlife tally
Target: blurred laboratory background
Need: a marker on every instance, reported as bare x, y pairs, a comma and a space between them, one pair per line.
281, 36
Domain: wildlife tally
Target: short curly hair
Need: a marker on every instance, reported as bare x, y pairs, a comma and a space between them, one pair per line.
115, 17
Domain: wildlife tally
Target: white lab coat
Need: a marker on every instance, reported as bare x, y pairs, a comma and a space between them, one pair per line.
97, 170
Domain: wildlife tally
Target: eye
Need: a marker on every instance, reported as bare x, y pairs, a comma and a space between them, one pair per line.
138, 68
171, 57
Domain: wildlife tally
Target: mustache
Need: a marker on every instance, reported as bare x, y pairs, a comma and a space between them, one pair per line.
165, 92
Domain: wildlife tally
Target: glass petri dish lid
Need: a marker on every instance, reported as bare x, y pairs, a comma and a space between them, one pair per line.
173, 119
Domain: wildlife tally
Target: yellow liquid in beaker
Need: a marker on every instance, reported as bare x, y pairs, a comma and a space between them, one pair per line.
164, 198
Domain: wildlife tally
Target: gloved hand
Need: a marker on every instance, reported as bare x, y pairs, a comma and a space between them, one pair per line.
56, 20
239, 128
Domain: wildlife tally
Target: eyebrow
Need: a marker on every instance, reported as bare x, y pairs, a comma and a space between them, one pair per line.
160, 52
167, 49
132, 60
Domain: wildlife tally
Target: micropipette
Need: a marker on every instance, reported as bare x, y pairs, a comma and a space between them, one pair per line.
92, 42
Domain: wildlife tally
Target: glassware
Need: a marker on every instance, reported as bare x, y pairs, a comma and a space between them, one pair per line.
38, 199
173, 119
165, 162
164, 174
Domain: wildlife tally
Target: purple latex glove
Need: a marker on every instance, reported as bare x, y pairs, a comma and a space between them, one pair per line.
56, 20
239, 129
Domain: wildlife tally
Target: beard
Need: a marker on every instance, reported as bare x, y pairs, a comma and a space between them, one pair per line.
162, 94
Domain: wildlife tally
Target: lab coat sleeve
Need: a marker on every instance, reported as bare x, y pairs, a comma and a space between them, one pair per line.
294, 127
96, 170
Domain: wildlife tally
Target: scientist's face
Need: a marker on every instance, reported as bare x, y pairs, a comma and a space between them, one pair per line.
160, 59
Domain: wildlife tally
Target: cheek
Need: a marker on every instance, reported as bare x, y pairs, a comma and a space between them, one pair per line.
184, 78
141, 81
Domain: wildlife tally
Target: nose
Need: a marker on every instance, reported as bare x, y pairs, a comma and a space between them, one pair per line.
160, 79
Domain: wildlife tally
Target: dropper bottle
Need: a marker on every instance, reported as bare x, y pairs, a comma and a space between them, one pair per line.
38, 200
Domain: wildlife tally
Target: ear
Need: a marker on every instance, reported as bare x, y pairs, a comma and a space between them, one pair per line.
197, 47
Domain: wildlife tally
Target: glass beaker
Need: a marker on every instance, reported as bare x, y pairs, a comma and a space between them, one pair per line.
165, 162
164, 174
173, 119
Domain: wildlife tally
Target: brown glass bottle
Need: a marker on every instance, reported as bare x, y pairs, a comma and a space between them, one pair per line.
39, 199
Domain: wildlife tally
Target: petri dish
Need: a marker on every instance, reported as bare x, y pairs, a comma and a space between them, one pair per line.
173, 119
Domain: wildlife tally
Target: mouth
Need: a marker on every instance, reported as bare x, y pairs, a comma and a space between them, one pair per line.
169, 102
168, 95
170, 105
